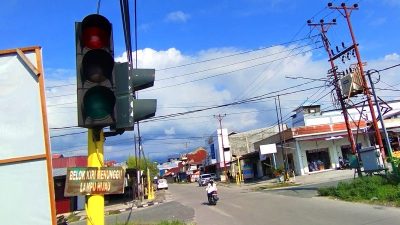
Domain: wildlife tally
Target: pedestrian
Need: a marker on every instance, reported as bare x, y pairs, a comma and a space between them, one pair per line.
341, 163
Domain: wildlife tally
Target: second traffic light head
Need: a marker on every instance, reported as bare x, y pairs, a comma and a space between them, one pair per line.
129, 109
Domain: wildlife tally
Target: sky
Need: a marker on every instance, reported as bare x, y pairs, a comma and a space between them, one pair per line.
206, 53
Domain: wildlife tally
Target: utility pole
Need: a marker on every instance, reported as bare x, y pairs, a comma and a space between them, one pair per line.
385, 133
219, 118
281, 138
346, 11
323, 28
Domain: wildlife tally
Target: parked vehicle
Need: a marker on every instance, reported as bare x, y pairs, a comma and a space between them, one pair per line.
213, 176
213, 199
204, 179
162, 184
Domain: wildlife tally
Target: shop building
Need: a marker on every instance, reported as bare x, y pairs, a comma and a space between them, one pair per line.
315, 148
317, 139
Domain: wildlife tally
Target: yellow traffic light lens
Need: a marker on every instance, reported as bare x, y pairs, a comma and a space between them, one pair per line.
97, 66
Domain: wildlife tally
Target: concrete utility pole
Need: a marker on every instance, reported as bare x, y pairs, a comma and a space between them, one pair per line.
345, 11
323, 28
281, 138
219, 118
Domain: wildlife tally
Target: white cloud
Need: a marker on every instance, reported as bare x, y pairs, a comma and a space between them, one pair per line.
392, 57
169, 131
177, 16
228, 82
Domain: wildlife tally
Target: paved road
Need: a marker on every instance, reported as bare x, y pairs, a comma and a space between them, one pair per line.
167, 211
240, 206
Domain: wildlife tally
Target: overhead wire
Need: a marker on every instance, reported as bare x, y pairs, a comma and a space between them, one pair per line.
216, 75
231, 64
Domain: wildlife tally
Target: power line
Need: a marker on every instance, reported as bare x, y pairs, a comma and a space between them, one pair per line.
216, 75
232, 64
231, 55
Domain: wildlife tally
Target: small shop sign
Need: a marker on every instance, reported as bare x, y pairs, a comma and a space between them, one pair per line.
94, 180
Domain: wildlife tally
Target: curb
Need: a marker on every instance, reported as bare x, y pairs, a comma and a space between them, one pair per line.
145, 205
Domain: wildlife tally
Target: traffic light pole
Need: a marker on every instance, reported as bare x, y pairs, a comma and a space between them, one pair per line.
95, 203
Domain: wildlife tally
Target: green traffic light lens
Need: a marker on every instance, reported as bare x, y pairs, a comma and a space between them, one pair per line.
99, 103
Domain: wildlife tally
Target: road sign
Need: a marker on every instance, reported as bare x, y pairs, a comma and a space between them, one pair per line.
93, 180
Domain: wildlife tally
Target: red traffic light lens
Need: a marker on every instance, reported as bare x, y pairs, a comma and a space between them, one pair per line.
95, 37
96, 32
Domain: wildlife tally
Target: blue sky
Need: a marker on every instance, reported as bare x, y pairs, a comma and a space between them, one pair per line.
177, 32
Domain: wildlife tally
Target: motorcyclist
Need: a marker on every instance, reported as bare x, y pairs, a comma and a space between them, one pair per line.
211, 187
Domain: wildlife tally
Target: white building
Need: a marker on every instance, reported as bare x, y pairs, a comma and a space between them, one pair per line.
219, 154
317, 139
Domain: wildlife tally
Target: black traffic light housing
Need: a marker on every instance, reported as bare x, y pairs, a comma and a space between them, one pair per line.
95, 72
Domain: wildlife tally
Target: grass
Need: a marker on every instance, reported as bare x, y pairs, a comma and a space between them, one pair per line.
72, 217
372, 189
272, 186
113, 212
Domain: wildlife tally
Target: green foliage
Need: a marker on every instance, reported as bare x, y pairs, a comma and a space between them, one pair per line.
72, 217
142, 165
377, 189
113, 212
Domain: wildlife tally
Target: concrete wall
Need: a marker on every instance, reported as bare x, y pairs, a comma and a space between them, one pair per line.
243, 143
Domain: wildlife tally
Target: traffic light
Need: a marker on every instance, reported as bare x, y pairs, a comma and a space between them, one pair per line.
95, 72
130, 110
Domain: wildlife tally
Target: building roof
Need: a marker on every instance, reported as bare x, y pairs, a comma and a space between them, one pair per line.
197, 157
74, 161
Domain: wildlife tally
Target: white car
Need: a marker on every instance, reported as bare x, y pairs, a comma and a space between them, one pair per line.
204, 179
162, 184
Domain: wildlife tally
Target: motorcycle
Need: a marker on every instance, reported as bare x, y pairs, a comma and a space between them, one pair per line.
213, 198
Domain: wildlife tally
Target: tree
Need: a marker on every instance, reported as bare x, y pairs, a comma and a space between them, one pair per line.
142, 164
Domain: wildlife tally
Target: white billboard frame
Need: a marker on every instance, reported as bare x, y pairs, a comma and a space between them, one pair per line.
25, 154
